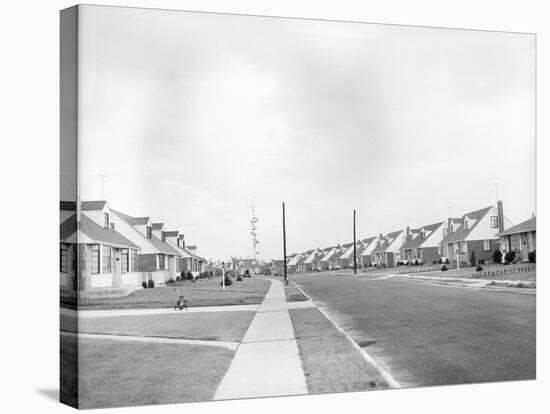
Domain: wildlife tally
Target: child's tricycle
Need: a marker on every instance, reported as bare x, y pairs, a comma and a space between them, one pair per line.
182, 303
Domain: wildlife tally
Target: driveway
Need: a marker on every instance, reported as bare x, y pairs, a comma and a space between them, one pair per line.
424, 334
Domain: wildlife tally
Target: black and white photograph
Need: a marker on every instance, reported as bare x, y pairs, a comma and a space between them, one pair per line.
302, 206
254, 205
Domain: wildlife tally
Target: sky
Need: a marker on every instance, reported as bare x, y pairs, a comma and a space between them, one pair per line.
194, 118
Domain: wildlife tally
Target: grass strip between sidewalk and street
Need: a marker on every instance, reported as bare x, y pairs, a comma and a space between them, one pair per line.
211, 326
330, 362
115, 374
293, 294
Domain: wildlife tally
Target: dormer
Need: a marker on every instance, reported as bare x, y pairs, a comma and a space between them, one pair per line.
98, 211
181, 241
157, 229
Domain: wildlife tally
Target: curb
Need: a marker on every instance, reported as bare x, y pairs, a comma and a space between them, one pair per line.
392, 382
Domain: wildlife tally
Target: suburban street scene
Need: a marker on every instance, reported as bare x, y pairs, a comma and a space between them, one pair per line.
272, 207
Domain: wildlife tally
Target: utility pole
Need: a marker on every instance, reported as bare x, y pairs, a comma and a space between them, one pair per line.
354, 247
284, 242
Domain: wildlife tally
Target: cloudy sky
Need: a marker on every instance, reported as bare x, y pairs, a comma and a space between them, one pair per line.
196, 117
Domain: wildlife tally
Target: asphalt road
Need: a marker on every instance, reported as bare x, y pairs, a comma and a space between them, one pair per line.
424, 334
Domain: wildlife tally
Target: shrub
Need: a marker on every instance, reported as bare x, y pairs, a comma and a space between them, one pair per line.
532, 256
497, 256
435, 261
479, 268
239, 278
178, 278
416, 262
444, 268
189, 275
144, 285
228, 281
520, 285
510, 256
439, 261
409, 263
170, 280
447, 261
473, 260
151, 283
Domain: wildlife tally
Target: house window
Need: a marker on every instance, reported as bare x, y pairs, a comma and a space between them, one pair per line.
125, 261
163, 237
149, 232
494, 222
486, 245
445, 231
133, 260
462, 247
106, 219
161, 261
95, 259
107, 264
63, 259
423, 234
466, 225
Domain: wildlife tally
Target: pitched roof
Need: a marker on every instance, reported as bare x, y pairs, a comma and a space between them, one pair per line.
94, 231
92, 205
135, 221
523, 227
382, 247
461, 233
417, 241
163, 247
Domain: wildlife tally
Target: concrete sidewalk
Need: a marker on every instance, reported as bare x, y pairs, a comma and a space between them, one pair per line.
267, 362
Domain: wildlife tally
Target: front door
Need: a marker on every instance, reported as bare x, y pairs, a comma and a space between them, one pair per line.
117, 269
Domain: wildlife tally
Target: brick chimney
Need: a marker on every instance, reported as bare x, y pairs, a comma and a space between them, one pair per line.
500, 210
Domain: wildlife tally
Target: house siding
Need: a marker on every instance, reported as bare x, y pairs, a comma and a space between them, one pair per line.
429, 254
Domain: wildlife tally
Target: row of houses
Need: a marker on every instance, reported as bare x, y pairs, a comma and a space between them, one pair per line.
481, 231
105, 248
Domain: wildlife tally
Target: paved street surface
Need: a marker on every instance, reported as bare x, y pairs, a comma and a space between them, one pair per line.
267, 362
424, 334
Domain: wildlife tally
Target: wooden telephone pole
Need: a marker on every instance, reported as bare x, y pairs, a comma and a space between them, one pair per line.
354, 246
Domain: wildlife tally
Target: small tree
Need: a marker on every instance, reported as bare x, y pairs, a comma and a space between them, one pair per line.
473, 260
532, 256
497, 256
189, 275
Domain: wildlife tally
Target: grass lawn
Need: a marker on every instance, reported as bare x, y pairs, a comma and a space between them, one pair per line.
293, 294
208, 326
113, 373
203, 292
491, 272
330, 362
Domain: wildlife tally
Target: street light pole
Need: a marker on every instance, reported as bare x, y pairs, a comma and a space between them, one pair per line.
354, 246
284, 242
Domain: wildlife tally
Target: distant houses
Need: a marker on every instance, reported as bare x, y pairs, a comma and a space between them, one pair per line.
104, 248
475, 235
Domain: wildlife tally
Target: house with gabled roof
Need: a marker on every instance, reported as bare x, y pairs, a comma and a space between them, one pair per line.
292, 262
156, 259
324, 261
387, 253
300, 264
346, 257
364, 252
521, 239
422, 246
311, 259
334, 261
476, 231
93, 255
